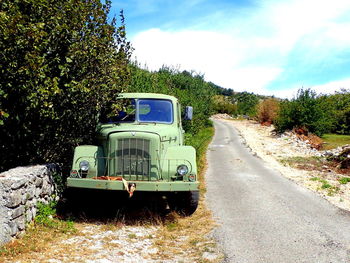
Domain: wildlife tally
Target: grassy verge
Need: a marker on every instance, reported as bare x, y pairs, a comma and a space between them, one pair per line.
183, 236
334, 140
39, 234
329, 178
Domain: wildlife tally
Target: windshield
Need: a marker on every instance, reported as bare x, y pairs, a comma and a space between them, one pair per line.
142, 110
151, 110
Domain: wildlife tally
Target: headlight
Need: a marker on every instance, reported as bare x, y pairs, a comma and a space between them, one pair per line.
84, 166
182, 169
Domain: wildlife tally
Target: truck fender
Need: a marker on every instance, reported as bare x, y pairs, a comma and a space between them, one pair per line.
93, 154
177, 155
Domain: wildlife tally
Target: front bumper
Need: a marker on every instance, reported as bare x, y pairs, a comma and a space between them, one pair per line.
151, 186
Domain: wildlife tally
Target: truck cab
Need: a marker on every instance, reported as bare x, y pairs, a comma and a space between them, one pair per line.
140, 147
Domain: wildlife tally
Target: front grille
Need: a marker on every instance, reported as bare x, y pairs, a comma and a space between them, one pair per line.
132, 159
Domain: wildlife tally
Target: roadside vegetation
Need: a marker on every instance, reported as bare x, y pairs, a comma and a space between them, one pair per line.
46, 228
190, 235
332, 141
61, 62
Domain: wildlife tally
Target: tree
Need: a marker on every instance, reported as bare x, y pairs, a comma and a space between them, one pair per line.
246, 103
306, 110
60, 62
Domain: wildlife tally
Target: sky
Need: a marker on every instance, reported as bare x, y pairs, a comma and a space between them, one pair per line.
269, 47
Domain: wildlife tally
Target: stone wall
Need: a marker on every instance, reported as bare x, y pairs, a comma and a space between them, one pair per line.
21, 189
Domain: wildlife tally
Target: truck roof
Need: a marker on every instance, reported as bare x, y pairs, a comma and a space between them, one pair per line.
147, 96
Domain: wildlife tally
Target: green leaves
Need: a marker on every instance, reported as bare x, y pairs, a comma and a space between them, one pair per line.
189, 87
60, 62
306, 110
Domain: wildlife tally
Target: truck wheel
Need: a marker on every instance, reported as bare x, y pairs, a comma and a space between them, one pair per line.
185, 203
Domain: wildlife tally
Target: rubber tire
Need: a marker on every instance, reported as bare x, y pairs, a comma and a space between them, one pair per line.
185, 203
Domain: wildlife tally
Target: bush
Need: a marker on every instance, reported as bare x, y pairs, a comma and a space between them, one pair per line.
268, 111
189, 87
306, 110
60, 62
246, 103
340, 110
222, 104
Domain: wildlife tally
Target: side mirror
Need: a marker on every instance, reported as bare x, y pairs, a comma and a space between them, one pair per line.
188, 113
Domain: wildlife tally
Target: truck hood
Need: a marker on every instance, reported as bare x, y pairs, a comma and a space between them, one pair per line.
165, 131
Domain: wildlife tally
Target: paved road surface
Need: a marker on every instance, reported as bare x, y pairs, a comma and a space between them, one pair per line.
263, 216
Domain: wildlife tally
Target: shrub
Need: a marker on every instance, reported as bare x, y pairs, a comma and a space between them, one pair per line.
60, 62
268, 110
189, 87
246, 103
340, 107
222, 104
306, 110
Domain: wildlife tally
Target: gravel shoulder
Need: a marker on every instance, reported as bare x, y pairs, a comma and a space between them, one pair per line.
274, 148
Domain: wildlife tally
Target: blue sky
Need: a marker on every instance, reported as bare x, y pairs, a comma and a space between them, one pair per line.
271, 47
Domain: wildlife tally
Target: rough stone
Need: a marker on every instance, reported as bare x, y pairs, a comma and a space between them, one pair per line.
21, 189
14, 199
17, 212
45, 189
21, 222
38, 181
13, 228
18, 183
30, 192
209, 256
6, 183
29, 215
37, 192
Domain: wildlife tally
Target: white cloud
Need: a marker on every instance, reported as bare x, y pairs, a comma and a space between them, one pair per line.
333, 86
249, 51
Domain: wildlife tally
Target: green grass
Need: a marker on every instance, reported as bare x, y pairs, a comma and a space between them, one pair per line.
200, 142
331, 190
344, 180
334, 140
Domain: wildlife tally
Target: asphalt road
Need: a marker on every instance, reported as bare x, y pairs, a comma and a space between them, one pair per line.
264, 217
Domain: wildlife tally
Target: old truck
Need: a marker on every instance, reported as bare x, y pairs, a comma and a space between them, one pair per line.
140, 148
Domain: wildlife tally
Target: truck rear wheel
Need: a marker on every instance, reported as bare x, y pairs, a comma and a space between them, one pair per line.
184, 203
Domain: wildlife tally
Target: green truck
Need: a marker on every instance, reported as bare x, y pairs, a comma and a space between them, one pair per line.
141, 149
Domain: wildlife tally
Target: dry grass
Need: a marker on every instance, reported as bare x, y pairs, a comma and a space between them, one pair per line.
35, 241
180, 237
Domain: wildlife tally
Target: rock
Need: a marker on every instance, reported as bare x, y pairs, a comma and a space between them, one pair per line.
21, 222
20, 190
18, 183
13, 228
13, 200
345, 164
38, 182
209, 256
17, 212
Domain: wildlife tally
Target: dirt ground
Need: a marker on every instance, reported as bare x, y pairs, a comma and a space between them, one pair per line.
274, 149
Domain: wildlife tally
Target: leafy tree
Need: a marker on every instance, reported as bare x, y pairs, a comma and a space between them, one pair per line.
305, 110
60, 62
189, 87
340, 110
246, 103
222, 104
